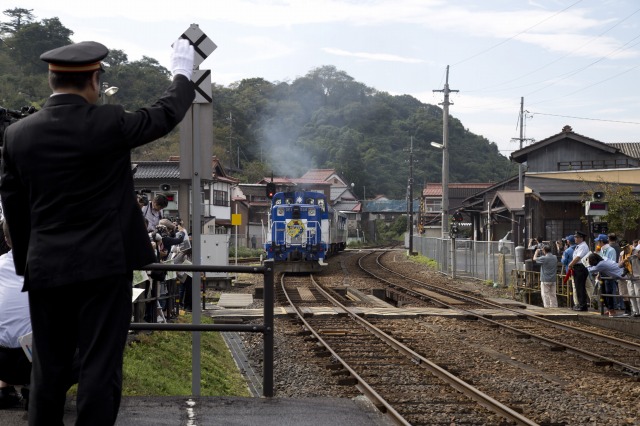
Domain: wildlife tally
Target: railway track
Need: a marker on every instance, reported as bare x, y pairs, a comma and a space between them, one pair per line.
402, 383
602, 350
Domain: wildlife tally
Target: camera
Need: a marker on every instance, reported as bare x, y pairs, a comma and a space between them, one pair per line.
142, 197
163, 231
9, 116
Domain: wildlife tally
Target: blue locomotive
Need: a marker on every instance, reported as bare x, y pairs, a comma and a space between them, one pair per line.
303, 231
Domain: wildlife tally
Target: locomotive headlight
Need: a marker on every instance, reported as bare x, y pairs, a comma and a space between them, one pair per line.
312, 212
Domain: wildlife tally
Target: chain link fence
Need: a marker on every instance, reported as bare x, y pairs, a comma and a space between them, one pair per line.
485, 260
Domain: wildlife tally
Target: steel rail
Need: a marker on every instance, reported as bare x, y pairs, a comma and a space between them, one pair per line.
533, 316
585, 354
466, 389
362, 386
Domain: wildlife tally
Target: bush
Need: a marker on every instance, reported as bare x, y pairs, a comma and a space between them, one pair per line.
424, 261
245, 252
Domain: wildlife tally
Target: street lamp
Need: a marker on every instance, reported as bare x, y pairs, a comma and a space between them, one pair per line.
108, 92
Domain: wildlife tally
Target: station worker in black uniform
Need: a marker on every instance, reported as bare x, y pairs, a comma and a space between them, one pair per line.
67, 190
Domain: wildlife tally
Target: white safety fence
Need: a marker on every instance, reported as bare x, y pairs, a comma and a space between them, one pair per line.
485, 260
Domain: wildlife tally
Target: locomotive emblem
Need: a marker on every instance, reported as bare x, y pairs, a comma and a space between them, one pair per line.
295, 227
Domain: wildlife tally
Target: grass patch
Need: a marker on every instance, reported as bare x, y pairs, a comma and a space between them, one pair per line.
160, 365
423, 260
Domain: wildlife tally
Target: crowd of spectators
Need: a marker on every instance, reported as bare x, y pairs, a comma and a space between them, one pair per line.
611, 269
167, 238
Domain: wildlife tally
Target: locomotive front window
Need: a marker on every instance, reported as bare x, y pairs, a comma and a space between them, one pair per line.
310, 200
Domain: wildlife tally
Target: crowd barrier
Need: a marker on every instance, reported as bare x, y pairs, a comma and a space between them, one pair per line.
495, 263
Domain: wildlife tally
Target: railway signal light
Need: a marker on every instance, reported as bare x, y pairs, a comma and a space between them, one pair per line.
271, 190
457, 216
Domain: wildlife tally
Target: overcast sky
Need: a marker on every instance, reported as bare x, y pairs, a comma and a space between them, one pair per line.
575, 62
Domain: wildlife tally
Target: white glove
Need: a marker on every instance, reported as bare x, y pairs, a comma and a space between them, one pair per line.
182, 58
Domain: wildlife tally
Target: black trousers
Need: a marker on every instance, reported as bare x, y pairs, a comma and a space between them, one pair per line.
93, 316
580, 275
15, 367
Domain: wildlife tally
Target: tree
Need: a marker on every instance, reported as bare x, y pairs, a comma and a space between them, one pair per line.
18, 18
624, 208
116, 58
36, 38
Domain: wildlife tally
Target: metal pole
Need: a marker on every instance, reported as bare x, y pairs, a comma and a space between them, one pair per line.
196, 251
267, 380
445, 163
488, 236
411, 198
520, 168
445, 155
236, 262
453, 257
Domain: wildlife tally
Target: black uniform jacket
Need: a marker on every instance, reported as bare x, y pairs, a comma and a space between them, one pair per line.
67, 186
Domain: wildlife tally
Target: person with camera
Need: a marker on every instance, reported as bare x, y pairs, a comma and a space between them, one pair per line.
548, 268
79, 292
153, 211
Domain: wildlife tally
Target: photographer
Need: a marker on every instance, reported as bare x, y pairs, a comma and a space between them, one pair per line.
153, 211
163, 238
549, 265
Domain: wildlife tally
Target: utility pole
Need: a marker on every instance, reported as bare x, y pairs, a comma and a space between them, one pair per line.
515, 229
521, 139
410, 197
230, 140
445, 154
520, 168
445, 171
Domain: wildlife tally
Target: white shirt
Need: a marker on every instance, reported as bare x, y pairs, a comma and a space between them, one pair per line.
581, 250
14, 304
152, 216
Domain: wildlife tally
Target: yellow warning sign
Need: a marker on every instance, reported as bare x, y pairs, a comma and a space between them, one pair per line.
295, 227
236, 219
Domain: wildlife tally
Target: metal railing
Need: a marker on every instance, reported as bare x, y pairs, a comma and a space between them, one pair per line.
266, 328
527, 284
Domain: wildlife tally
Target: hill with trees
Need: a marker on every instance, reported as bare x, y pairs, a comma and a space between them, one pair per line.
324, 119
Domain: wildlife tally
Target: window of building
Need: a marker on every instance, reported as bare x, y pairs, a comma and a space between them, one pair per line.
557, 229
220, 198
433, 205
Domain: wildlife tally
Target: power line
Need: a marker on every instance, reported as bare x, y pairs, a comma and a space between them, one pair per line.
516, 35
579, 70
586, 118
555, 60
